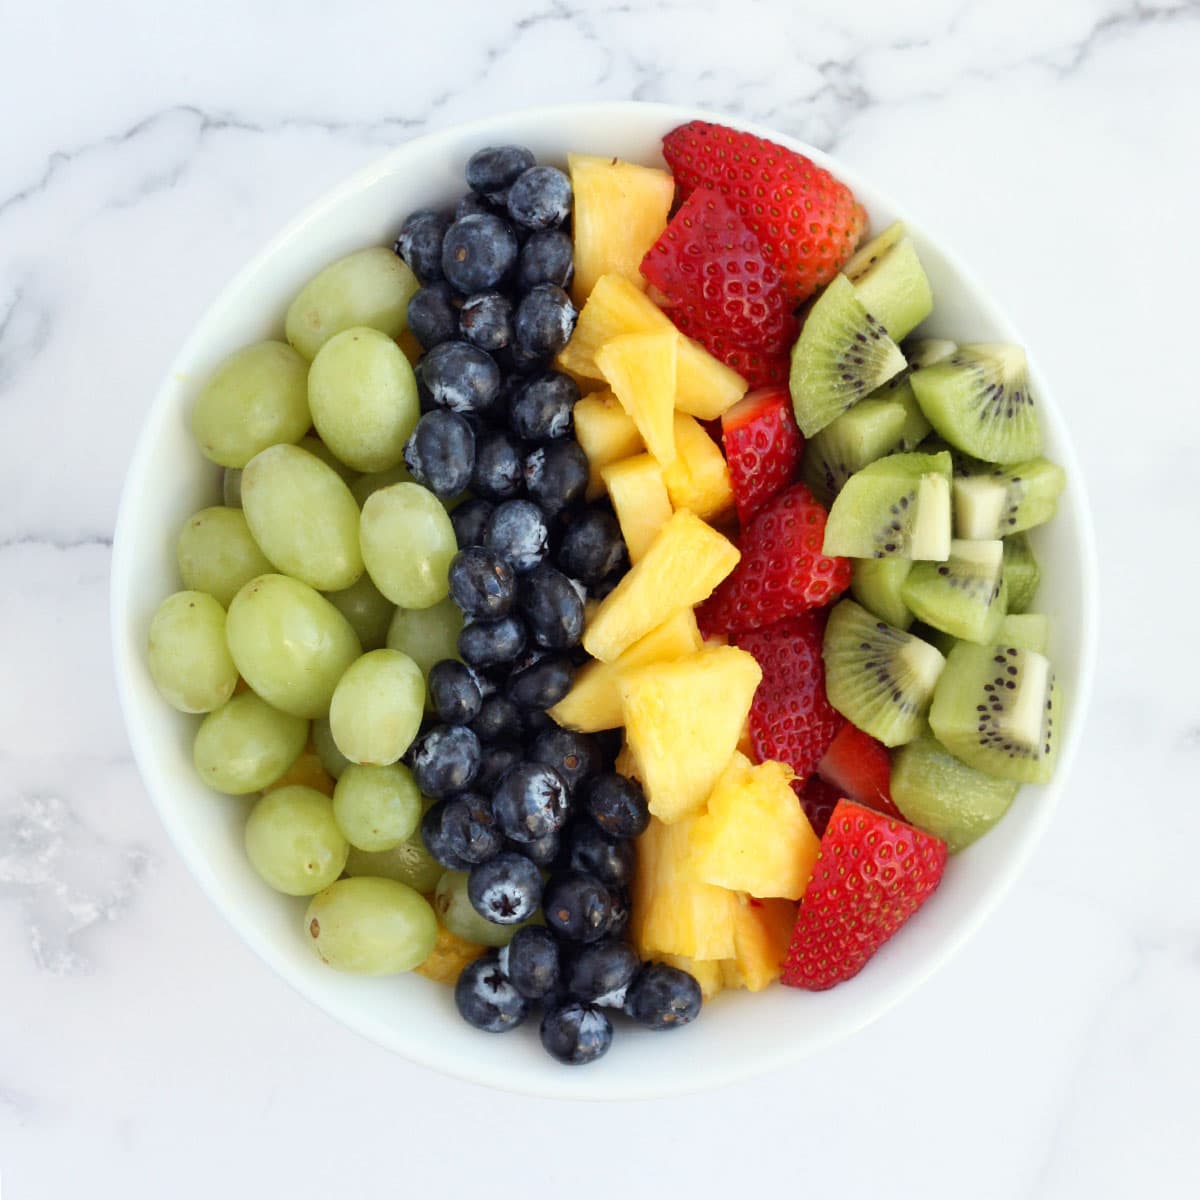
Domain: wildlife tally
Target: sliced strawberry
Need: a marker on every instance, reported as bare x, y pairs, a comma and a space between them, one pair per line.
861, 768
756, 368
871, 875
807, 222
763, 445
783, 570
818, 799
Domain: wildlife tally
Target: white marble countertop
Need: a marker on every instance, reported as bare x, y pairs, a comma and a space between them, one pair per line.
147, 151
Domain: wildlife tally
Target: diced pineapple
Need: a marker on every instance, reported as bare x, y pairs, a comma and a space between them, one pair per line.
698, 478
639, 497
307, 770
682, 721
620, 210
762, 935
683, 565
624, 763
640, 369
704, 387
755, 837
606, 432
709, 975
449, 955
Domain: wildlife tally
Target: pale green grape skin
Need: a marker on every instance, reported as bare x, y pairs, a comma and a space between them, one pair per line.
293, 841
377, 807
371, 926
290, 644
377, 707
246, 744
256, 398
367, 485
367, 610
332, 759
457, 913
318, 449
370, 287
231, 487
363, 398
407, 544
217, 553
427, 635
408, 863
187, 655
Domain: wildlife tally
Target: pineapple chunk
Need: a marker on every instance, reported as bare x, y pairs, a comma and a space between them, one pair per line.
708, 974
705, 387
606, 432
639, 497
755, 837
620, 210
762, 935
683, 565
698, 478
594, 701
307, 770
682, 721
640, 369
624, 764
449, 955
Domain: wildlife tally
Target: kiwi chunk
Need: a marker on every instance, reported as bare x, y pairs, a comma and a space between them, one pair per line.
890, 281
943, 796
898, 506
876, 585
963, 596
877, 676
998, 709
1006, 500
923, 352
1026, 631
843, 353
868, 431
1021, 572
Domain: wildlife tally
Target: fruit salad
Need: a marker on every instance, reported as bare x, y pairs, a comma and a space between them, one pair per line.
614, 599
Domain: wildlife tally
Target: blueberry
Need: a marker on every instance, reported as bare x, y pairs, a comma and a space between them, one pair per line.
609, 743
440, 454
586, 848
541, 408
470, 519
518, 362
494, 169
489, 643
556, 476
506, 890
445, 760
539, 198
420, 243
592, 546
432, 315
545, 320
535, 721
663, 997
573, 755
477, 252
499, 467
532, 962
622, 910
486, 999
497, 759
471, 204
482, 583
455, 692
576, 1033
435, 835
531, 801
617, 805
543, 683
578, 906
551, 607
463, 829
544, 851
460, 377
602, 972
546, 257
499, 720
486, 320
518, 531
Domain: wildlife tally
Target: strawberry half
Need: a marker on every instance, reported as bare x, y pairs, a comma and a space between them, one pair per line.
791, 720
807, 222
763, 445
818, 799
783, 570
871, 875
860, 768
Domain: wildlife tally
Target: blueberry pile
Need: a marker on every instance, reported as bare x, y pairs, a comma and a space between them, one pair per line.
534, 813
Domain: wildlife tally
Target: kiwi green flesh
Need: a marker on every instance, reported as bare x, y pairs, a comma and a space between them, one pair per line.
1026, 631
876, 585
921, 352
847, 444
924, 352
867, 257
978, 399
997, 708
842, 355
877, 676
895, 289
1007, 500
963, 596
1021, 572
942, 642
943, 796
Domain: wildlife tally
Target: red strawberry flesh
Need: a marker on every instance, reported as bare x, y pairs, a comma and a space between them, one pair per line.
763, 446
861, 768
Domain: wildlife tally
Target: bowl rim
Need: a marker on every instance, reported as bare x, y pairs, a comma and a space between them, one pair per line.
719, 1070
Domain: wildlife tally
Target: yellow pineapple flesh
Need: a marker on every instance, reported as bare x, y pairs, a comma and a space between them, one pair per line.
762, 935
624, 763
606, 433
640, 369
639, 498
708, 974
449, 955
699, 477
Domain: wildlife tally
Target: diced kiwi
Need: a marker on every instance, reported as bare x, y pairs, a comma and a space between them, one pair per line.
938, 639
876, 585
1007, 500
998, 709
978, 399
867, 432
1026, 631
843, 353
943, 796
890, 281
1021, 572
963, 596
898, 506
923, 352
877, 676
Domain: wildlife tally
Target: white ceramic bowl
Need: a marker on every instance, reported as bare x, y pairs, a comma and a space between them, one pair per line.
739, 1034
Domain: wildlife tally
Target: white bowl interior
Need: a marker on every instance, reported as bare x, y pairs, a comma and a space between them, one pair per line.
739, 1034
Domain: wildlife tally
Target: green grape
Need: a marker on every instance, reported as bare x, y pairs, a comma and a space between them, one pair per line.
426, 635
290, 644
332, 759
368, 485
318, 449
367, 610
303, 516
293, 841
457, 913
231, 487
370, 287
217, 553
377, 707
246, 744
377, 808
189, 661
407, 544
254, 399
371, 926
363, 397
408, 862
